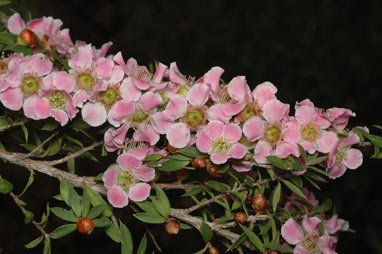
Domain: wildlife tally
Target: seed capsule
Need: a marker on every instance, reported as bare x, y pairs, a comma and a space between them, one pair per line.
28, 37
213, 250
259, 203
199, 163
85, 226
172, 226
213, 170
241, 217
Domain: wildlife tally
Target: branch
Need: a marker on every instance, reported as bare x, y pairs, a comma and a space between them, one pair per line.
178, 185
40, 146
14, 124
76, 154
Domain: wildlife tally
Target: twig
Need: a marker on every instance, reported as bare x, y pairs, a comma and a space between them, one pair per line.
149, 232
40, 146
74, 155
177, 185
14, 124
251, 218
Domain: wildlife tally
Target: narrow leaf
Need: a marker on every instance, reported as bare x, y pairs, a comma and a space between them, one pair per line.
113, 233
96, 211
253, 238
75, 202
206, 232
294, 188
101, 222
162, 197
173, 165
34, 243
64, 214
276, 197
219, 186
63, 231
29, 182
5, 186
150, 218
85, 204
126, 237
142, 245
192, 152
65, 187
277, 162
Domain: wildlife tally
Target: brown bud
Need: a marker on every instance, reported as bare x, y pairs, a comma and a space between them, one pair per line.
241, 217
213, 170
172, 149
172, 226
213, 250
272, 252
85, 226
199, 163
28, 37
259, 203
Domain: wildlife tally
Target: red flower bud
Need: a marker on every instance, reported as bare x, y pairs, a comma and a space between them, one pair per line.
213, 250
85, 226
213, 170
199, 163
172, 226
259, 203
241, 217
28, 37
272, 252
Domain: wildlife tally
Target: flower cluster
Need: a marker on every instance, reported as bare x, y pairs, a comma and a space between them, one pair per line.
229, 122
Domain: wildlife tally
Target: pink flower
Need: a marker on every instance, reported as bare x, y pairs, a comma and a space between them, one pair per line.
309, 240
338, 117
23, 80
343, 156
292, 201
128, 180
333, 225
115, 138
221, 141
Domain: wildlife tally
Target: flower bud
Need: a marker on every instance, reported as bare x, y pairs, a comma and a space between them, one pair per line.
172, 226
259, 203
213, 250
272, 252
199, 163
213, 170
28, 37
241, 217
85, 226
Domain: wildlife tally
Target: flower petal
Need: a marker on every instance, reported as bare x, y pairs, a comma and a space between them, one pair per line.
203, 142
232, 132
274, 111
15, 24
175, 75
311, 223
40, 65
60, 116
262, 150
146, 135
178, 135
238, 88
159, 73
327, 142
264, 92
149, 101
117, 197
336, 171
139, 192
215, 129
219, 158
353, 158
253, 128
198, 94
291, 232
110, 176
129, 91
176, 106
237, 151
127, 161
123, 109
144, 173
82, 59
12, 98
36, 108
94, 114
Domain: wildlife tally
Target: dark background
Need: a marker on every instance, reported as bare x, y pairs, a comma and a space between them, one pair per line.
327, 51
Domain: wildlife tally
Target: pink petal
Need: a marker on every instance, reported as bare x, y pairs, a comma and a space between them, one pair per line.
161, 122
176, 76
311, 223
60, 116
212, 77
308, 146
299, 249
229, 109
239, 167
351, 139
238, 88
149, 101
178, 135
262, 150
94, 114
117, 197
327, 142
36, 108
333, 225
159, 73
353, 158
232, 132
79, 98
215, 112
198, 94
139, 192
237, 151
219, 158
59, 80
274, 111
104, 67
177, 106
129, 91
140, 84
203, 142
82, 59
144, 173
146, 135
305, 114
290, 132
40, 65
264, 92
291, 232
253, 128
336, 171
283, 150
122, 109
115, 139
110, 177
128, 161
12, 98
15, 24
105, 48
215, 129
116, 75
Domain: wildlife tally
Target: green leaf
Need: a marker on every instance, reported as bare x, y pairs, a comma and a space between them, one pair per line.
147, 206
206, 232
85, 204
224, 169
303, 152
142, 245
29, 182
297, 166
75, 141
192, 152
126, 238
96, 199
294, 188
96, 211
153, 157
34, 243
150, 218
45, 216
321, 228
159, 207
113, 233
65, 187
47, 248
25, 50
63, 231
326, 205
192, 192
276, 197
29, 216
377, 153
162, 197
278, 247
179, 157
315, 185
5, 37
253, 238
50, 126
318, 160
75, 202
101, 222
173, 165
28, 147
185, 226
219, 186
26, 133
71, 164
277, 162
55, 146
64, 214
5, 186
